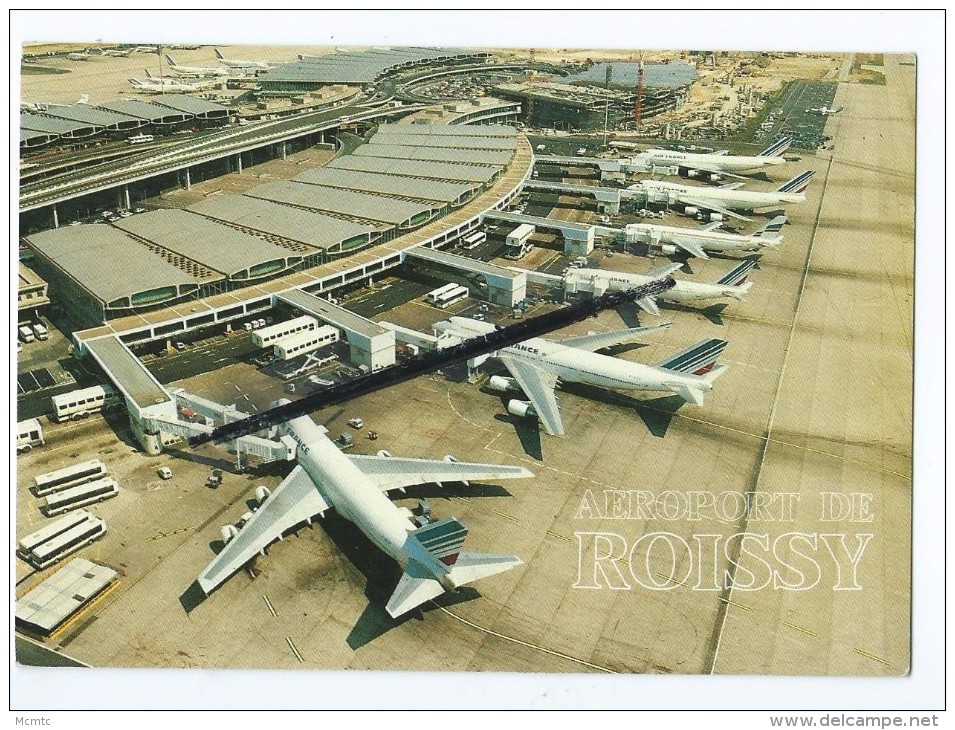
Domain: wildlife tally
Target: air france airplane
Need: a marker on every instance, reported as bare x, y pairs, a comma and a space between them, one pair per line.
712, 166
537, 364
697, 241
726, 198
733, 284
356, 487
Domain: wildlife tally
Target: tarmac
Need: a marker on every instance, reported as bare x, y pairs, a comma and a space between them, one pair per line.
818, 399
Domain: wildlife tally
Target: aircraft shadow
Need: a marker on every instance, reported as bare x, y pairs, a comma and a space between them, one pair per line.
527, 431
192, 597
452, 489
712, 313
656, 414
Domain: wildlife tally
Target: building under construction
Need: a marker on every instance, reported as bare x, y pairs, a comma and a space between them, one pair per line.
587, 107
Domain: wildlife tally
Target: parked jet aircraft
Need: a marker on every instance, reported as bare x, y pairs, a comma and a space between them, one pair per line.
356, 487
117, 53
152, 85
733, 284
236, 63
195, 71
714, 165
79, 56
537, 364
724, 198
824, 111
697, 241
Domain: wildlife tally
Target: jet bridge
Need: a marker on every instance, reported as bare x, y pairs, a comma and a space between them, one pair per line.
504, 286
578, 237
369, 343
608, 198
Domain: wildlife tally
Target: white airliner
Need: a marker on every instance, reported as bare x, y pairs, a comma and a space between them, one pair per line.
79, 56
356, 487
195, 71
824, 111
733, 284
725, 198
236, 63
697, 241
152, 85
537, 364
712, 166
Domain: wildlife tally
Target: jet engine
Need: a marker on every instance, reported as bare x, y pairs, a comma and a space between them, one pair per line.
384, 454
521, 408
502, 384
668, 249
228, 532
261, 494
691, 210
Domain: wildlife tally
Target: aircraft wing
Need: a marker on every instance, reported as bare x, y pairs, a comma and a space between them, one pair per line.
689, 245
660, 271
391, 472
295, 500
539, 386
710, 226
600, 340
707, 205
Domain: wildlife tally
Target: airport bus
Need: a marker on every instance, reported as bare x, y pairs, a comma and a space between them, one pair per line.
140, 139
269, 335
452, 296
473, 241
435, 294
81, 403
80, 496
58, 527
67, 477
66, 542
29, 434
305, 342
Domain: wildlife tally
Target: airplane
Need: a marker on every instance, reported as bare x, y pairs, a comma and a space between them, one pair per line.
713, 166
117, 54
733, 284
824, 111
722, 199
152, 85
538, 364
356, 487
235, 63
195, 71
697, 241
79, 56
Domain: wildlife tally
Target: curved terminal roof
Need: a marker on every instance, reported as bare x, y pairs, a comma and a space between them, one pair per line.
313, 229
112, 266
153, 113
416, 168
58, 127
400, 213
192, 105
444, 192
92, 115
450, 130
435, 154
360, 67
412, 138
221, 248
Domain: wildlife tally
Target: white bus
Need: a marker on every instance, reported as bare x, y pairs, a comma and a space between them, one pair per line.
69, 476
140, 139
80, 403
273, 333
452, 296
65, 542
29, 434
435, 294
57, 527
473, 241
305, 342
80, 496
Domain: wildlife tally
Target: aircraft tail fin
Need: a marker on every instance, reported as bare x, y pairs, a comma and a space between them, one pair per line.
772, 227
443, 539
170, 61
696, 394
777, 148
473, 566
697, 359
218, 54
415, 587
738, 274
798, 184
